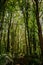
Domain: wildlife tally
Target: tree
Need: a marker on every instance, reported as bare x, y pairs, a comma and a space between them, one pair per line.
8, 41
39, 27
2, 14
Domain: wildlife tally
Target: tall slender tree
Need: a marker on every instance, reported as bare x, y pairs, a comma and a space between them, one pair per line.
8, 39
2, 14
39, 27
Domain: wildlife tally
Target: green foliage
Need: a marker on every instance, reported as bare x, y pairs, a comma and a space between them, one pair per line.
23, 13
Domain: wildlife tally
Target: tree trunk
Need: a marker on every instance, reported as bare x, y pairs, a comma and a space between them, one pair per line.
39, 27
8, 40
26, 23
1, 29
